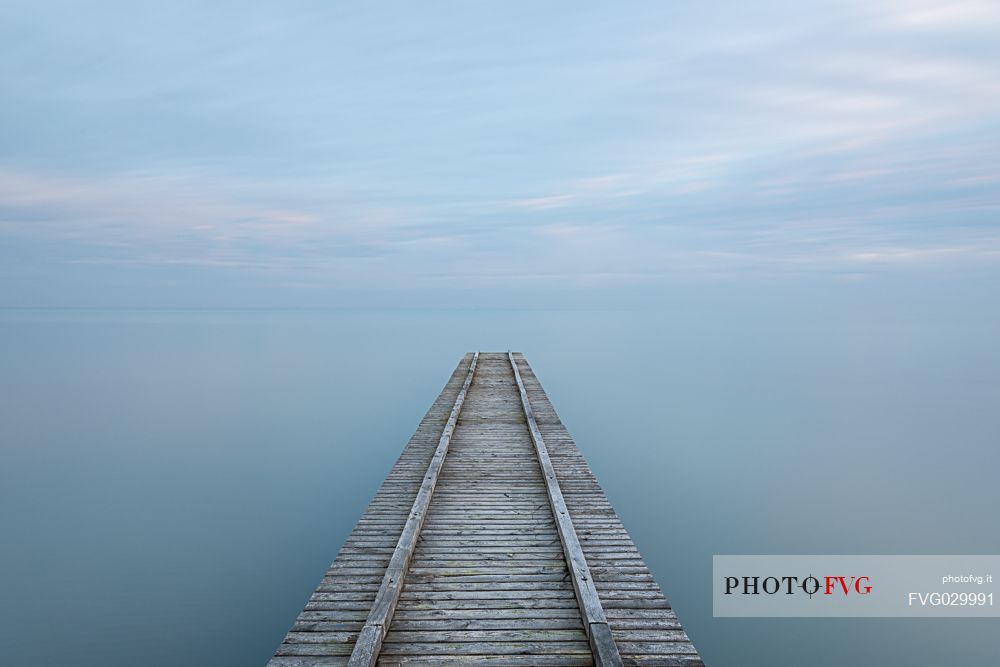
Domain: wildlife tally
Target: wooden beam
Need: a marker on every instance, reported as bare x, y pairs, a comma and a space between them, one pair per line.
369, 642
594, 621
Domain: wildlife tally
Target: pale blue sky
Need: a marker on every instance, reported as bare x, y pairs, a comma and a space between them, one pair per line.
298, 153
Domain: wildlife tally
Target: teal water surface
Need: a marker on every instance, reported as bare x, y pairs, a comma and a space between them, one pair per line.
175, 482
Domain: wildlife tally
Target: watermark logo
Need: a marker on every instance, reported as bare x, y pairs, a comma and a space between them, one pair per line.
916, 586
810, 585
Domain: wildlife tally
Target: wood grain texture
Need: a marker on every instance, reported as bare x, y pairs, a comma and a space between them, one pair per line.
595, 624
488, 581
369, 641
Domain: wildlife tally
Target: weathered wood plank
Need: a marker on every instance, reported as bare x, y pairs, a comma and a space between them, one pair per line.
478, 561
617, 569
594, 622
489, 580
366, 649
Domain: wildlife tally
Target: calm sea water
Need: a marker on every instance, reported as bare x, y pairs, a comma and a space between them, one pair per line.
173, 483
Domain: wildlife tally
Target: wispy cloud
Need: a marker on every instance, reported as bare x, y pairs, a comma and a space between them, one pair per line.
332, 147
942, 15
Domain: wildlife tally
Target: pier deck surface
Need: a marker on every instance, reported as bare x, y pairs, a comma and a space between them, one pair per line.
462, 559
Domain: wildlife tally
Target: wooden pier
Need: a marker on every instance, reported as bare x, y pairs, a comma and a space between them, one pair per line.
489, 543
